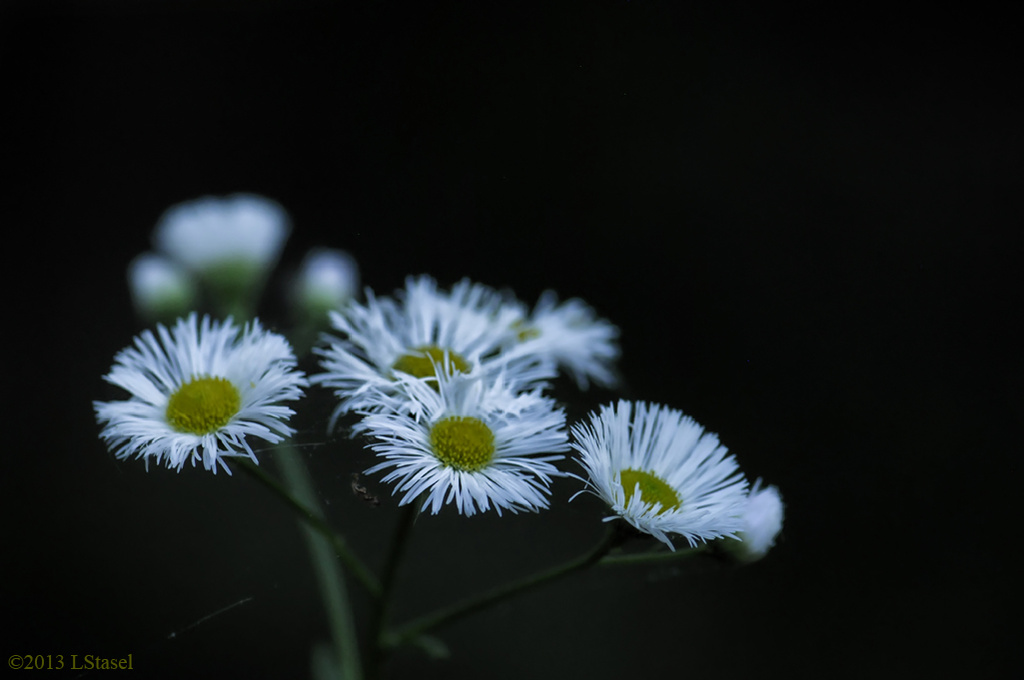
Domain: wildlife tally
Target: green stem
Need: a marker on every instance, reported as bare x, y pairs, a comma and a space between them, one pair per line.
326, 568
399, 542
398, 545
450, 614
653, 557
315, 522
306, 333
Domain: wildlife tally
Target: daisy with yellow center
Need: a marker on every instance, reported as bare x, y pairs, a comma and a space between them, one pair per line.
658, 470
197, 391
474, 443
418, 332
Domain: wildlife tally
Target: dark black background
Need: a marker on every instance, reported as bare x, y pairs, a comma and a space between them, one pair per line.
805, 222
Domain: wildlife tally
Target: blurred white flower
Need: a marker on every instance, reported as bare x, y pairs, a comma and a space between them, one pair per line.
571, 334
762, 522
231, 243
211, 231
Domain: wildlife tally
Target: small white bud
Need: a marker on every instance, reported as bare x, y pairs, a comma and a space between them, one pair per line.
160, 289
327, 279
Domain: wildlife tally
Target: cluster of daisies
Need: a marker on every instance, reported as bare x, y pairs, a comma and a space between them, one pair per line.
448, 387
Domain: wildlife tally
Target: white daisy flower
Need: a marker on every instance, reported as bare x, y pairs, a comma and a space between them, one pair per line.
657, 469
413, 334
762, 522
197, 391
471, 442
573, 336
159, 288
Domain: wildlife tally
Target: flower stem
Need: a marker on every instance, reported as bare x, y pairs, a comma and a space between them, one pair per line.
450, 614
398, 546
316, 523
326, 568
399, 542
653, 557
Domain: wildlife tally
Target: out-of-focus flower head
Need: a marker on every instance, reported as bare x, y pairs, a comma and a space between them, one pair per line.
230, 243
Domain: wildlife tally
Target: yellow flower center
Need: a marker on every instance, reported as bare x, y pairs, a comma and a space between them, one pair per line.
653, 489
203, 405
524, 331
420, 362
462, 442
